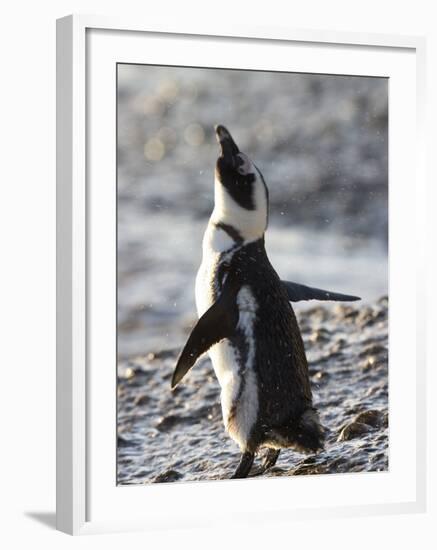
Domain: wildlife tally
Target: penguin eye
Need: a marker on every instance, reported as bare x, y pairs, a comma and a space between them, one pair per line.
244, 165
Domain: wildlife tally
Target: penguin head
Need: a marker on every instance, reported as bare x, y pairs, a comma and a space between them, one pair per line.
241, 195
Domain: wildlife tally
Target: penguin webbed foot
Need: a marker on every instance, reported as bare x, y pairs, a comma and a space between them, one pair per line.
270, 459
244, 465
246, 462
268, 462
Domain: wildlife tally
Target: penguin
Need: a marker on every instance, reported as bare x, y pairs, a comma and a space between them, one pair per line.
247, 324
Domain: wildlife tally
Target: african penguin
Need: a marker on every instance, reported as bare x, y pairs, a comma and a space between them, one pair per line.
247, 324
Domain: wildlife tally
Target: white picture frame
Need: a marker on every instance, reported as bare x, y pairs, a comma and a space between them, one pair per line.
83, 471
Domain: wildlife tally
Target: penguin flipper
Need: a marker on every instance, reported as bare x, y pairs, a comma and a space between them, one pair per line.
217, 323
297, 293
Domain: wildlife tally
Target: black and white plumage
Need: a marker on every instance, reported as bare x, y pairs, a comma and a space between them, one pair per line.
247, 324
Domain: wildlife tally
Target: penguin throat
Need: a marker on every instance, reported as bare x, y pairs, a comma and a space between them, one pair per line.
250, 224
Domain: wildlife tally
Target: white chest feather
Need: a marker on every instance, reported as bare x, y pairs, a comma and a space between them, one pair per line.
216, 242
234, 370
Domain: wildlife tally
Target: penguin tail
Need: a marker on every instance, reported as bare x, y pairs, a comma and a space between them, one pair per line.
304, 434
309, 432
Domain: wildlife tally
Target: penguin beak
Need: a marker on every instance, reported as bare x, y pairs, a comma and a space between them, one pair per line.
228, 147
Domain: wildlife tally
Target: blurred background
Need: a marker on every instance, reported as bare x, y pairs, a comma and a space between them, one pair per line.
320, 142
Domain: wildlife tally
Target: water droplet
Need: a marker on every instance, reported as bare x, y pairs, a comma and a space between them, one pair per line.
168, 90
194, 135
154, 149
